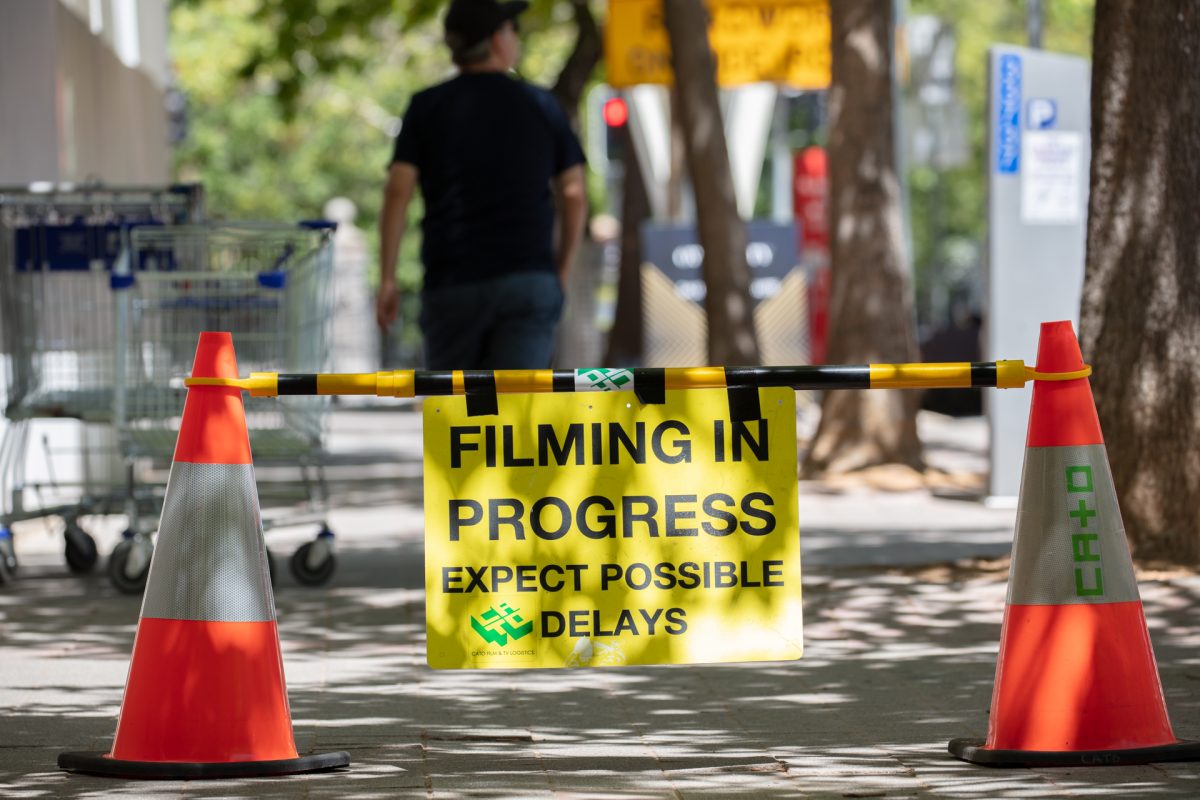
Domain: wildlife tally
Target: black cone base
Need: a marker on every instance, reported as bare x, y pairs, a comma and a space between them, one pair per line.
101, 764
972, 750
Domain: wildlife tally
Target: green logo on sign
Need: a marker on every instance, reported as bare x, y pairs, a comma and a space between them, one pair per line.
498, 626
605, 380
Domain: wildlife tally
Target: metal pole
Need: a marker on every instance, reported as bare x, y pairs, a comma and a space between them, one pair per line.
1034, 23
655, 380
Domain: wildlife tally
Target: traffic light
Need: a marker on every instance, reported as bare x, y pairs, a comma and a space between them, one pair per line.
616, 113
608, 119
616, 117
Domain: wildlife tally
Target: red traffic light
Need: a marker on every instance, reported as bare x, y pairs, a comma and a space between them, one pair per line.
616, 113
813, 161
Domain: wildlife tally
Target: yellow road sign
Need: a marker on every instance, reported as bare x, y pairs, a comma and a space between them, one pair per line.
783, 41
576, 530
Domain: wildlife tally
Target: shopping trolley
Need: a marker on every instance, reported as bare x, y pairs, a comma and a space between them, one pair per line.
59, 246
271, 287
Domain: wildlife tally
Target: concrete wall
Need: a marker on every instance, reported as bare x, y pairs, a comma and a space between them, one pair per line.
70, 108
28, 114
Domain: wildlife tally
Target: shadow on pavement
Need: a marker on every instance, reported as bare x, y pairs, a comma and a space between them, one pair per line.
897, 663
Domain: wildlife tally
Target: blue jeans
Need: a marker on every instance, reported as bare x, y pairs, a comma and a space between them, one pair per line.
506, 323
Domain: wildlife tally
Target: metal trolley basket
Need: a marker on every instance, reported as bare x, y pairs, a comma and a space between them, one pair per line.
103, 294
271, 287
59, 245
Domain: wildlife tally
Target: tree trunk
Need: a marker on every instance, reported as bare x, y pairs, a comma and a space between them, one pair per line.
677, 181
579, 66
577, 340
871, 313
1141, 296
626, 341
731, 337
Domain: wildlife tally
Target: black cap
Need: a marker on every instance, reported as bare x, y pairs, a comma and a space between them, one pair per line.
469, 22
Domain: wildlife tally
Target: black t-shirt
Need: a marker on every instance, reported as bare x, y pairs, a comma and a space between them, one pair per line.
486, 147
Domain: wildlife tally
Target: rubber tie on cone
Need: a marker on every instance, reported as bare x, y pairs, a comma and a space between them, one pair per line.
205, 696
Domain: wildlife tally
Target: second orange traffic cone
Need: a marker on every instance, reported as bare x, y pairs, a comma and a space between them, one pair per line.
206, 697
1076, 680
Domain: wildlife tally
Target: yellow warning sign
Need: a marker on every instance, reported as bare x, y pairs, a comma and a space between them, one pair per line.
576, 530
782, 41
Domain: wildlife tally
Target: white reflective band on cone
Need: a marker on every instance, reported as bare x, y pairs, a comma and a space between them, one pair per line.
210, 562
1070, 542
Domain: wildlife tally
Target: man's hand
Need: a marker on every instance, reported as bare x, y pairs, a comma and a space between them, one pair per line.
387, 305
393, 220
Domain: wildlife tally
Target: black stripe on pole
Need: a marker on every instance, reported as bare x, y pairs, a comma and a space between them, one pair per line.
297, 384
430, 383
650, 385
983, 374
480, 388
856, 376
564, 380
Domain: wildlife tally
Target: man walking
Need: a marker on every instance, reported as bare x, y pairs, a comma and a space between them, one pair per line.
493, 156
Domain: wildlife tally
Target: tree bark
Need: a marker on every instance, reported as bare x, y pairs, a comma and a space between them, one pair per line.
871, 313
731, 335
677, 181
576, 333
1140, 321
580, 64
626, 340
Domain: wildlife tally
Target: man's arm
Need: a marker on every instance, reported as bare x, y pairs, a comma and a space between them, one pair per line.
571, 196
393, 221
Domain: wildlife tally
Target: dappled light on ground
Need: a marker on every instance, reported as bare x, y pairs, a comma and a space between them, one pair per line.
900, 649
897, 662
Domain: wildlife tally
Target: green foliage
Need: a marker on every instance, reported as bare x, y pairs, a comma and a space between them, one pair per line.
294, 102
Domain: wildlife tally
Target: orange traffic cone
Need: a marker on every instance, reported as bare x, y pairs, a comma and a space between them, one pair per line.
206, 696
1076, 681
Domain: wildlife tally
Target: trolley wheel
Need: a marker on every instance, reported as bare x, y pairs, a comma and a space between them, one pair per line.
82, 554
310, 575
8, 561
130, 578
8, 556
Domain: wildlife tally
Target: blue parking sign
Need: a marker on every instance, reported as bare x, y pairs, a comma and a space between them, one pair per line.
1008, 115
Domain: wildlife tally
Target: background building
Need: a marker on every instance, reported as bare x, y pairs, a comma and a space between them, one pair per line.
83, 91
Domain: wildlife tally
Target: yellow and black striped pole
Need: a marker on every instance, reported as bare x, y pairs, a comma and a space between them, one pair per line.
650, 384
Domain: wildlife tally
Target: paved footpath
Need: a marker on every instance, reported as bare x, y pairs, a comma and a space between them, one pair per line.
900, 657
